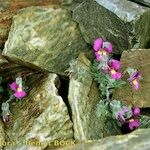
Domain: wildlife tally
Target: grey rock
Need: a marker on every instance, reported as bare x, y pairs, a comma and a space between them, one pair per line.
137, 140
142, 2
2, 134
44, 38
84, 100
124, 23
138, 59
9, 8
40, 117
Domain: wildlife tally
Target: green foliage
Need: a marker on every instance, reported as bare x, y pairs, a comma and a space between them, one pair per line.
102, 109
145, 121
1, 89
105, 81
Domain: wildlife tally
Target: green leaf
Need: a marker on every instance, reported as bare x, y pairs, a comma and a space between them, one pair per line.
1, 89
1, 80
145, 121
10, 92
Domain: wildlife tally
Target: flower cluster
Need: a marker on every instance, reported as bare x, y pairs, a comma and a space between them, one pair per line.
129, 117
19, 93
17, 87
109, 66
110, 78
134, 78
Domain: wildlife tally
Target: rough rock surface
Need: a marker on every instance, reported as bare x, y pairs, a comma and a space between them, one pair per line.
142, 2
138, 59
124, 23
2, 134
8, 8
84, 98
48, 43
40, 117
136, 141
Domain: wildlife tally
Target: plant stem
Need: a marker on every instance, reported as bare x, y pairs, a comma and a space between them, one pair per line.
107, 92
11, 98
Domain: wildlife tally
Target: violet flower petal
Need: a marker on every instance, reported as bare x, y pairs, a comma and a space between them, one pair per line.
136, 86
114, 64
98, 56
14, 86
20, 94
135, 75
134, 124
98, 44
121, 114
109, 47
116, 75
5, 118
136, 111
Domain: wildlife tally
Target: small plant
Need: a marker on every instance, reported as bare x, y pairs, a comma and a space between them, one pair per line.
106, 71
18, 93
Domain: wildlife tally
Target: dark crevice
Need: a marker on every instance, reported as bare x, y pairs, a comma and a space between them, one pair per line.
142, 3
116, 56
63, 92
145, 111
147, 45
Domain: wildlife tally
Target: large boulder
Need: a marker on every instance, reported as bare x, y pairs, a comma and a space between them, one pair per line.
9, 8
138, 59
41, 117
139, 139
44, 38
124, 23
85, 104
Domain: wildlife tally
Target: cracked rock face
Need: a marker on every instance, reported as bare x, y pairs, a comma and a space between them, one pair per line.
138, 59
124, 23
40, 117
44, 38
137, 140
84, 98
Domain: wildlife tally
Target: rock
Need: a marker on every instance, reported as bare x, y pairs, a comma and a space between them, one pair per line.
138, 59
116, 21
40, 118
137, 140
142, 2
44, 38
84, 100
2, 134
9, 8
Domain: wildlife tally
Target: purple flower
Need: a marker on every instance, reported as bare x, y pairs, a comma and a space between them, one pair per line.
5, 118
98, 43
133, 124
14, 86
134, 80
136, 111
20, 93
122, 114
101, 48
107, 46
114, 66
